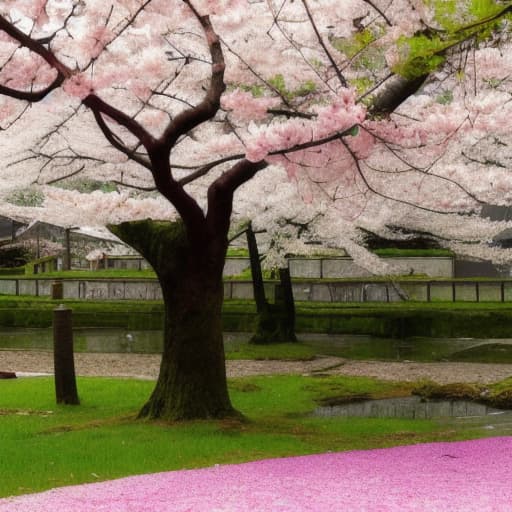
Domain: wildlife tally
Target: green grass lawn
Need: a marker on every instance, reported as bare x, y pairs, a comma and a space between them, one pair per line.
275, 351
43, 445
96, 274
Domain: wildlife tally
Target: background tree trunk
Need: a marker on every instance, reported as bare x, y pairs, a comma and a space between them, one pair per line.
275, 322
192, 380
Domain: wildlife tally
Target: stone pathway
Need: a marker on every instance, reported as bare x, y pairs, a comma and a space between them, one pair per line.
146, 366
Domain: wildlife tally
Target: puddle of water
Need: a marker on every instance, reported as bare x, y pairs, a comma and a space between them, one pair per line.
412, 407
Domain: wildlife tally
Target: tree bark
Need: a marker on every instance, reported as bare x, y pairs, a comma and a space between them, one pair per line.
192, 380
257, 275
64, 364
276, 322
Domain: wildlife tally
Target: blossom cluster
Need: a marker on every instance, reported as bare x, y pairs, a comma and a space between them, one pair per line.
277, 137
298, 78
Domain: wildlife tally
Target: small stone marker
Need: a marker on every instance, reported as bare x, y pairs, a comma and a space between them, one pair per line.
7, 375
57, 290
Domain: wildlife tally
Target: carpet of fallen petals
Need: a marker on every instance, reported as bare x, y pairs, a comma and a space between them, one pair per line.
437, 477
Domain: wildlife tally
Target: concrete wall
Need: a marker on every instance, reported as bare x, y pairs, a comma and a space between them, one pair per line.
324, 291
465, 268
314, 268
235, 266
332, 268
125, 262
345, 292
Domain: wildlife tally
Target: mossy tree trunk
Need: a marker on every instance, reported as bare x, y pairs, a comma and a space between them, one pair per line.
275, 322
192, 380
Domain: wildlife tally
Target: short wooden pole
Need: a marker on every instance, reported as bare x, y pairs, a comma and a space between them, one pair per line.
64, 364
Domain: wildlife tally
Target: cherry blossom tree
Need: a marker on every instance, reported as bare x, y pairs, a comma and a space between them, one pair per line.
192, 99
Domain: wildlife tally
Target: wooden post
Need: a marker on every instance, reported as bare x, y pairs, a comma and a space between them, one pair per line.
64, 364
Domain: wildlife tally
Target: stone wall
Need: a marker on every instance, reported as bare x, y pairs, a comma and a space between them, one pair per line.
314, 268
332, 268
303, 290
235, 266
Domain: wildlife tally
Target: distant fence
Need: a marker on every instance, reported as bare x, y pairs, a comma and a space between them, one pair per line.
303, 290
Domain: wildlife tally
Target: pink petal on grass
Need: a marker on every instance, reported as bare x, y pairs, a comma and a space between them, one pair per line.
469, 476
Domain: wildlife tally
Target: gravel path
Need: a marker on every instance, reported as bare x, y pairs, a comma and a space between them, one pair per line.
146, 366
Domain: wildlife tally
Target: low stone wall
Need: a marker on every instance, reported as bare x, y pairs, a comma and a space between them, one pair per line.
335, 268
303, 290
345, 292
308, 268
100, 289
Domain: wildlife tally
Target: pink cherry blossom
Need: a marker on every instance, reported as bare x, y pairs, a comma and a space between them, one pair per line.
468, 476
160, 62
245, 106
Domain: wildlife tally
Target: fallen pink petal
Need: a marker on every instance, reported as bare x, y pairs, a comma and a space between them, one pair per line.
437, 477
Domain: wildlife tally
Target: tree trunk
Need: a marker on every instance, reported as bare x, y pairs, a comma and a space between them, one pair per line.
192, 380
276, 322
256, 273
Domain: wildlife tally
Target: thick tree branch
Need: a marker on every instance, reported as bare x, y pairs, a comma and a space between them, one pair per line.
393, 92
117, 143
97, 105
185, 205
210, 105
290, 113
32, 96
221, 191
205, 169
37, 47
34, 46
